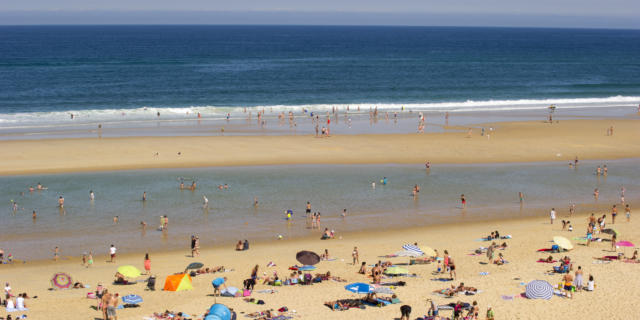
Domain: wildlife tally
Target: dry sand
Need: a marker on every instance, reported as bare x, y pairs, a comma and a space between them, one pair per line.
511, 142
616, 282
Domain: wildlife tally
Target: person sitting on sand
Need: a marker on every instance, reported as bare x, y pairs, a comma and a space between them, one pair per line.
325, 255
363, 268
500, 261
120, 279
78, 285
239, 245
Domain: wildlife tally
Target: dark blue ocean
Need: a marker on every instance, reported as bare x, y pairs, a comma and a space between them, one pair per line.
47, 72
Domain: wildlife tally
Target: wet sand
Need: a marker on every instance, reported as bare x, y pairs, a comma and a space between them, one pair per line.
510, 142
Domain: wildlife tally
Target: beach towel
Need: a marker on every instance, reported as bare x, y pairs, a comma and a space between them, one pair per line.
545, 261
442, 279
544, 250
484, 273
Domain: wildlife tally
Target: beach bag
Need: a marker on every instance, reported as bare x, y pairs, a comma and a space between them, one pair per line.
246, 293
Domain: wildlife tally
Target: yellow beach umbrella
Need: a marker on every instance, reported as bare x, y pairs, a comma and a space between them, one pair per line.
396, 271
129, 271
428, 251
563, 242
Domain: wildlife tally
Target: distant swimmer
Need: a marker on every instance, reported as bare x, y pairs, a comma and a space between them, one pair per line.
115, 219
384, 181
193, 186
144, 196
206, 201
61, 202
181, 185
344, 213
463, 200
289, 214
255, 202
92, 196
34, 215
31, 189
308, 208
373, 185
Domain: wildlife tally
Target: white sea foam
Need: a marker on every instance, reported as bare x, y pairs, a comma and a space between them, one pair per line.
94, 116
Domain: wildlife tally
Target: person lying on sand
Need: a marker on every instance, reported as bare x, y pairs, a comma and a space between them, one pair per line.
344, 304
210, 270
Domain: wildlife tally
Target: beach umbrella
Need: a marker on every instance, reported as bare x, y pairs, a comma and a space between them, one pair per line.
625, 244
382, 290
406, 253
359, 287
132, 299
414, 248
539, 289
129, 271
428, 251
307, 257
194, 265
394, 271
218, 312
611, 231
563, 242
61, 280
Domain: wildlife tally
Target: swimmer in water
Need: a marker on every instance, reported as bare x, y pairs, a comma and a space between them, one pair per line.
255, 202
61, 202
344, 213
91, 195
181, 185
206, 201
144, 196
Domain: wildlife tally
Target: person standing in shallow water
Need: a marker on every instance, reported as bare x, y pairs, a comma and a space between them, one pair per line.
463, 200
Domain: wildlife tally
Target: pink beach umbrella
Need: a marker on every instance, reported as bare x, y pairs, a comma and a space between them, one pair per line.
624, 244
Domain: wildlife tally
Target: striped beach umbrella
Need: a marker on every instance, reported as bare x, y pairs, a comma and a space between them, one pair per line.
405, 253
539, 289
414, 248
132, 299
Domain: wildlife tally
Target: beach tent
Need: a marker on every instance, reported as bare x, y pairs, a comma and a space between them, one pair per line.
178, 282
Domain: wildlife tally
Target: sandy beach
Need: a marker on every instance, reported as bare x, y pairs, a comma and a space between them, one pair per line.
500, 286
616, 282
509, 142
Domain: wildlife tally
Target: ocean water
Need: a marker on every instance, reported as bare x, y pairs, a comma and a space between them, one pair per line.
84, 225
116, 74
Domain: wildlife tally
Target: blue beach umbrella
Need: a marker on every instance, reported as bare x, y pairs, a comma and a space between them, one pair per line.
218, 312
359, 287
132, 299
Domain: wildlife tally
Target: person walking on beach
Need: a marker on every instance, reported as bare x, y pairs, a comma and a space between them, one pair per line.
147, 264
627, 211
193, 245
596, 193
196, 248
521, 196
56, 253
90, 259
614, 213
552, 215
112, 305
112, 253
355, 255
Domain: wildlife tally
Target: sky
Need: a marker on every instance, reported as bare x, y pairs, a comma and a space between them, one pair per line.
536, 13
